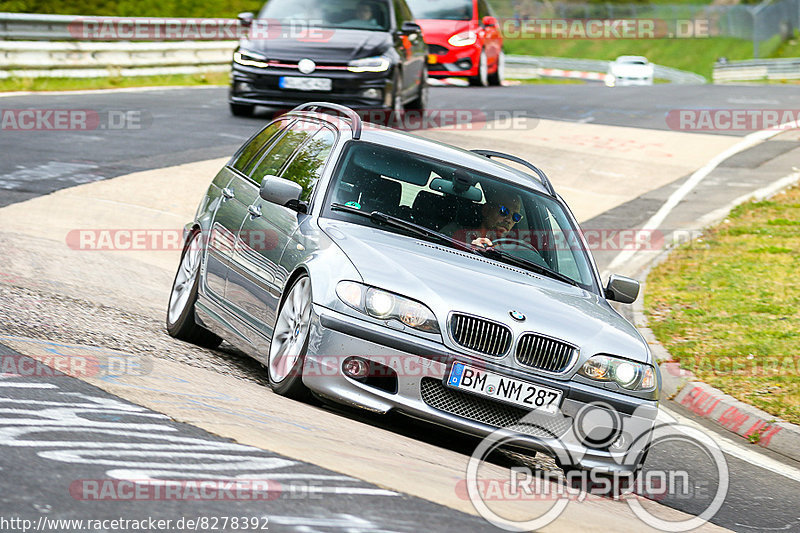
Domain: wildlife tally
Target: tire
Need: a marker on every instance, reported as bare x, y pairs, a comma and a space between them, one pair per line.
498, 76
289, 344
181, 322
242, 110
482, 79
420, 103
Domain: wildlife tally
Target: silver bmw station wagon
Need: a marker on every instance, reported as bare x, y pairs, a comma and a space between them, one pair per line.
381, 270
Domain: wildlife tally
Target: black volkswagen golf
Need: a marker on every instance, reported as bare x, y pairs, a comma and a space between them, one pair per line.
368, 54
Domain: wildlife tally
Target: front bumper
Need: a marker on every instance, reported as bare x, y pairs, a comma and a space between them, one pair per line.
451, 61
421, 366
259, 86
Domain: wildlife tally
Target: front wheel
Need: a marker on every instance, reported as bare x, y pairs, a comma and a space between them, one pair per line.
500, 73
181, 323
420, 103
290, 342
482, 79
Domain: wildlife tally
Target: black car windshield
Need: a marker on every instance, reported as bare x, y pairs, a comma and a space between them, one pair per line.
346, 14
441, 9
460, 203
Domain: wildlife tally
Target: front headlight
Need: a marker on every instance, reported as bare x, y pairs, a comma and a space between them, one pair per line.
467, 38
250, 59
370, 64
627, 374
385, 305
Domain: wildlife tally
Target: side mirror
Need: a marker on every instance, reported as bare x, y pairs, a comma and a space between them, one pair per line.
410, 27
489, 21
621, 289
282, 192
245, 19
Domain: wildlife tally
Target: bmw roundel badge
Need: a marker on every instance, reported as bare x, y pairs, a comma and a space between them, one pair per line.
516, 315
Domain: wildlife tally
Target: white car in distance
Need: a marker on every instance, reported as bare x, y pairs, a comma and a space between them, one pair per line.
630, 70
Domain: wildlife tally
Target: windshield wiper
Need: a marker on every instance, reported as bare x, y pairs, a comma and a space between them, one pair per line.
500, 255
416, 229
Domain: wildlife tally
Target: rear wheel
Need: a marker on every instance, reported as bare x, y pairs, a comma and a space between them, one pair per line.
242, 110
289, 344
181, 323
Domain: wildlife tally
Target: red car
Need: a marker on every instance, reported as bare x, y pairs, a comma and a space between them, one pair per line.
463, 39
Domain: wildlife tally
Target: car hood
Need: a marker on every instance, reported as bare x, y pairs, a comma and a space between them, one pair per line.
443, 29
339, 45
449, 280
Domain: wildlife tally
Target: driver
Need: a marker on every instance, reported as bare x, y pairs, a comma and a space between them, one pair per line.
365, 17
500, 215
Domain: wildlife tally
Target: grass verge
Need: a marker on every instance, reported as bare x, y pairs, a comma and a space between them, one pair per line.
727, 306
74, 84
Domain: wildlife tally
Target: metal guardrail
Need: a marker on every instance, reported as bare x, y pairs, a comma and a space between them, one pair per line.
521, 66
757, 70
36, 59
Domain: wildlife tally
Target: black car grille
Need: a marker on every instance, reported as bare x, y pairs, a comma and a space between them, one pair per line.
544, 353
480, 335
491, 413
437, 49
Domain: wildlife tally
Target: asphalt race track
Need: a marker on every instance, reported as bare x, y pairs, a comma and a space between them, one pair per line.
58, 434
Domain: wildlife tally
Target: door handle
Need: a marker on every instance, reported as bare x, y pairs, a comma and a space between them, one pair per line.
254, 210
228, 193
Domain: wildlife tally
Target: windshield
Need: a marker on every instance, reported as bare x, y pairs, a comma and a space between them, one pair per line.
346, 14
441, 9
459, 203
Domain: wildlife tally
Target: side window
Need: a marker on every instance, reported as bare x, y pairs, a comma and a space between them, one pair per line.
261, 139
309, 162
277, 156
483, 10
401, 13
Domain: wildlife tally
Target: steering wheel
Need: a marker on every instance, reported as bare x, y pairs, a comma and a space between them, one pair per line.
522, 243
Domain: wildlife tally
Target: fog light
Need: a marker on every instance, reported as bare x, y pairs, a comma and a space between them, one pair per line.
356, 368
464, 64
374, 94
243, 87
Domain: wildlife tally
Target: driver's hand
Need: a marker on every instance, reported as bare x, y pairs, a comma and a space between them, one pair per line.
482, 242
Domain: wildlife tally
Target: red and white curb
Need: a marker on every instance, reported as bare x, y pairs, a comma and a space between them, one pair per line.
573, 74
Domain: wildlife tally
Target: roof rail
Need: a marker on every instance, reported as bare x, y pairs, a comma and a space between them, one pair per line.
352, 115
500, 155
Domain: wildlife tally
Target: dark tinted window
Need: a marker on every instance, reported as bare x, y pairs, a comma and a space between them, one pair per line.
441, 9
276, 157
355, 14
255, 145
483, 9
309, 161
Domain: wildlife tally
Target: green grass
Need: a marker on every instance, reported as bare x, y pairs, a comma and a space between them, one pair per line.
72, 84
694, 55
728, 306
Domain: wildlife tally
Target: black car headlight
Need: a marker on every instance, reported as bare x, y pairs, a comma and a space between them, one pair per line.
627, 374
250, 59
386, 305
370, 64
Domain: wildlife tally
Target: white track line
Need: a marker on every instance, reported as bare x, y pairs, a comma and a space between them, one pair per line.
732, 448
101, 91
694, 180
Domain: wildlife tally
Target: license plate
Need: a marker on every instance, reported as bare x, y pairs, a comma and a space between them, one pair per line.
504, 388
305, 84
